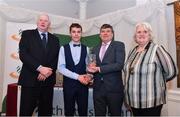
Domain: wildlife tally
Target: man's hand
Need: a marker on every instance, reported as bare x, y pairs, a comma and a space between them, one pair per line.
93, 69
89, 79
83, 80
46, 71
41, 77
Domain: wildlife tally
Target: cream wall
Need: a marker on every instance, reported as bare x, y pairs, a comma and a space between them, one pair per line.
2, 46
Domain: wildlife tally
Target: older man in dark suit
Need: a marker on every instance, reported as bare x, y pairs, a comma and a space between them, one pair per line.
108, 85
38, 51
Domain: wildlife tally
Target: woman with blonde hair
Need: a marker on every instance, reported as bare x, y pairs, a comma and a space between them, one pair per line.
147, 69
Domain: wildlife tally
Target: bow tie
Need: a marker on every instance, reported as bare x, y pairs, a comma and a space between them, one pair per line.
76, 45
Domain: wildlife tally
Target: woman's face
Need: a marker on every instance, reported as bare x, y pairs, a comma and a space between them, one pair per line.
142, 36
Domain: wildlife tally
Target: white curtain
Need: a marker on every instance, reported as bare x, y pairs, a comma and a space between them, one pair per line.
123, 21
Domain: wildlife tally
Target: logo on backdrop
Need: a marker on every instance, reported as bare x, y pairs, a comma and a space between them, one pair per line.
15, 55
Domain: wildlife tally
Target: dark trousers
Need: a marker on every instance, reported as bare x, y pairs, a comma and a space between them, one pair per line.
154, 111
41, 97
78, 95
104, 100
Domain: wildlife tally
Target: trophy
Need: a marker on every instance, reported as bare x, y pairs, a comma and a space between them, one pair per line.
91, 62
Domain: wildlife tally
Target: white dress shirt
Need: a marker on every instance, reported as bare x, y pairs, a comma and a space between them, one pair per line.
76, 53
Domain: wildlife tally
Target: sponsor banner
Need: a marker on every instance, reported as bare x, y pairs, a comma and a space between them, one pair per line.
58, 104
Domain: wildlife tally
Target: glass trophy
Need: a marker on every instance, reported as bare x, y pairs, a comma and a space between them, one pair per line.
91, 62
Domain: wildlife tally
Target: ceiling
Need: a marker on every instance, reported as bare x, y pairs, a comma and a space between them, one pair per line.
70, 8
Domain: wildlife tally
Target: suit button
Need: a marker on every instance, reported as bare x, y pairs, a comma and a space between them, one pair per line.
102, 80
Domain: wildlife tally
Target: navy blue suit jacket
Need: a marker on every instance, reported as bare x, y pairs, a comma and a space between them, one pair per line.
111, 67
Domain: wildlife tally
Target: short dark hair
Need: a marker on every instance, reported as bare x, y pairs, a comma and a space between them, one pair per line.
107, 26
75, 25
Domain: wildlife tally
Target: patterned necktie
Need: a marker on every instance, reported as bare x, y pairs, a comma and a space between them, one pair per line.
103, 50
44, 39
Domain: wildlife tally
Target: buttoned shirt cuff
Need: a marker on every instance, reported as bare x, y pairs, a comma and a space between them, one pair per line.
39, 67
76, 76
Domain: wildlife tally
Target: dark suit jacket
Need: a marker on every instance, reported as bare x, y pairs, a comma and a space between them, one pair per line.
33, 54
111, 66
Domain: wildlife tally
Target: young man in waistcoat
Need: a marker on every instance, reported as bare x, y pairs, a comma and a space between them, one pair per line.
72, 64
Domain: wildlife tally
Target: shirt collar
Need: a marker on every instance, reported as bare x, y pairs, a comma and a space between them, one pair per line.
42, 32
106, 43
72, 42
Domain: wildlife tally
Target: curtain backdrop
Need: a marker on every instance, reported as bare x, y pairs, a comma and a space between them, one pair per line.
123, 21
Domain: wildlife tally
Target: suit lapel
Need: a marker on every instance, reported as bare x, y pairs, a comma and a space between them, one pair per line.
98, 52
108, 50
